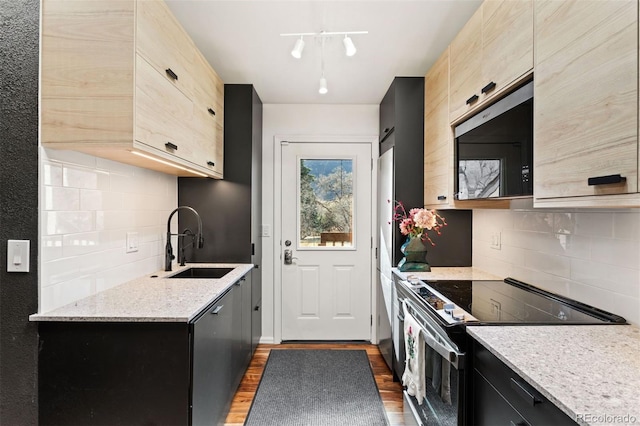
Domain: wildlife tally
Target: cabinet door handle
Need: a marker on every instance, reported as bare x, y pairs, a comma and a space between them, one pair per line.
172, 75
442, 197
524, 393
211, 111
257, 308
217, 309
489, 87
211, 164
172, 146
606, 180
472, 99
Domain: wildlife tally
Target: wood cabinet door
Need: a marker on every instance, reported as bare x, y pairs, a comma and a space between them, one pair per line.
466, 66
208, 123
586, 97
507, 43
86, 80
438, 139
163, 113
164, 44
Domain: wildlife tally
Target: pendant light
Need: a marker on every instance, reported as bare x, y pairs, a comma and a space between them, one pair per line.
323, 86
323, 89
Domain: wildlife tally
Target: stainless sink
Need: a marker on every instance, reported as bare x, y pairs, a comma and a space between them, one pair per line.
202, 273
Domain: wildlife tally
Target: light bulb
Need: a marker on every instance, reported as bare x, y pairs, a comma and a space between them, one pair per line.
323, 86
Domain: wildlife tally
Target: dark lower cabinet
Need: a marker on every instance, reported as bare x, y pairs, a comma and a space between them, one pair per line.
256, 313
147, 373
502, 397
243, 350
213, 341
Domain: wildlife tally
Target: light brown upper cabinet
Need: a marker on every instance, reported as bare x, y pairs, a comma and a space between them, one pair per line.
120, 77
586, 103
493, 51
439, 167
438, 139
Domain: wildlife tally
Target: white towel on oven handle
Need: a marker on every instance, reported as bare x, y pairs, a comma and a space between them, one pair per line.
414, 375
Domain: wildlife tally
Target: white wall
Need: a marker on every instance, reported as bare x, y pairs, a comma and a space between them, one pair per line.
87, 206
297, 120
589, 255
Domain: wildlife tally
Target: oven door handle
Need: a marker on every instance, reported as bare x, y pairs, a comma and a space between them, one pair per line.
453, 357
436, 341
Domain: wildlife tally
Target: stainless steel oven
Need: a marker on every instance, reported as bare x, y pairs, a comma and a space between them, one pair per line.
443, 309
445, 384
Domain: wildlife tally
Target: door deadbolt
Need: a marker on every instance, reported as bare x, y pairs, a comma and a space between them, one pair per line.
287, 243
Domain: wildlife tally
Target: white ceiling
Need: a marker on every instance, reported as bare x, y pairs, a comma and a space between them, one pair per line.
241, 40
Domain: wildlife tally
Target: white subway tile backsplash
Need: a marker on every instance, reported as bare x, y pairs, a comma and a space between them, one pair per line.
549, 263
609, 277
50, 248
82, 177
590, 255
626, 226
617, 252
60, 198
88, 205
597, 224
85, 243
67, 222
51, 173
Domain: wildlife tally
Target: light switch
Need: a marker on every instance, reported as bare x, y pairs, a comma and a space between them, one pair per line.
18, 255
266, 230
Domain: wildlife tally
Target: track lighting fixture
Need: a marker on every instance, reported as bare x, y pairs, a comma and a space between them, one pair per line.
297, 48
323, 36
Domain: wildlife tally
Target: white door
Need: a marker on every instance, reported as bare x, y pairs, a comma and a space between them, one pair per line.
326, 230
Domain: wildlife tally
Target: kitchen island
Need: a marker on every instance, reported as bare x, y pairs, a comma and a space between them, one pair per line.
592, 373
155, 350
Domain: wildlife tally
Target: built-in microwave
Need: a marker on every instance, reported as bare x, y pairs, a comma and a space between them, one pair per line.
494, 149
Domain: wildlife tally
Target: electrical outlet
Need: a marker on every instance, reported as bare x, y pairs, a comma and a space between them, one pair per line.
132, 242
496, 242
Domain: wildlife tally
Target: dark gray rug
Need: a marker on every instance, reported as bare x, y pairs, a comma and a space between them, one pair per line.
317, 387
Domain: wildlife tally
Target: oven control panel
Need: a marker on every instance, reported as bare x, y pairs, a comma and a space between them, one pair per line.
443, 307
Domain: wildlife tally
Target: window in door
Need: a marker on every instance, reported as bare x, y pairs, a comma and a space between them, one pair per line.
325, 203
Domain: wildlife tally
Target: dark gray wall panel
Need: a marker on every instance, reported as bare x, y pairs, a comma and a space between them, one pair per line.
19, 22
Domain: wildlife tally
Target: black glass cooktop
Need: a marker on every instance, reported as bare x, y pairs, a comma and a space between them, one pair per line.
512, 301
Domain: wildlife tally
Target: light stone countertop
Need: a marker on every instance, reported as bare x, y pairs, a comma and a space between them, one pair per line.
147, 299
451, 273
592, 373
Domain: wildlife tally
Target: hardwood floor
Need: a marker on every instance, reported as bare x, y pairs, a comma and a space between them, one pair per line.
390, 391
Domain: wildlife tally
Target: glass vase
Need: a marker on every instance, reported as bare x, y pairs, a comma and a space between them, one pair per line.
414, 250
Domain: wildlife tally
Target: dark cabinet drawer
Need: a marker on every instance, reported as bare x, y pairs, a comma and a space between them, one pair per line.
524, 398
490, 408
